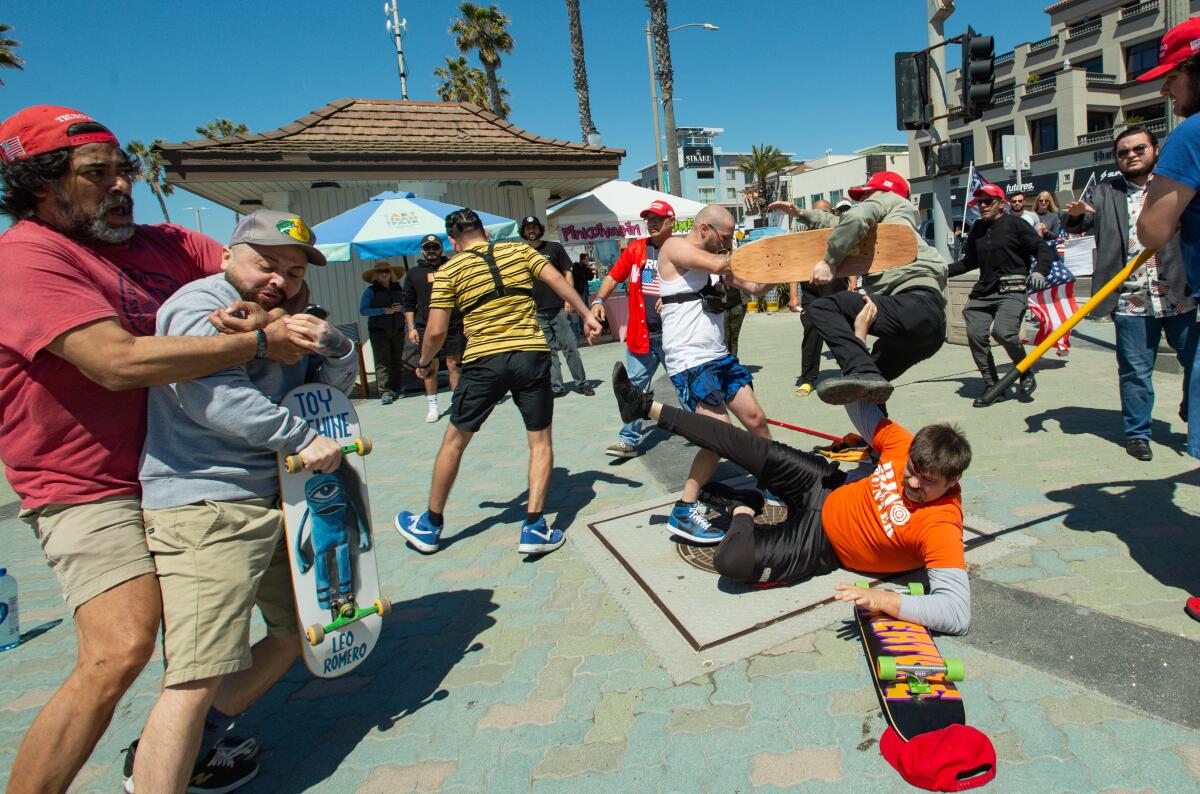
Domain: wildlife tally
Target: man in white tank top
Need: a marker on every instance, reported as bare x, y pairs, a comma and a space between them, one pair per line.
707, 378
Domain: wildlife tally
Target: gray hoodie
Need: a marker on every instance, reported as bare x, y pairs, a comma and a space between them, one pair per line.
927, 270
215, 438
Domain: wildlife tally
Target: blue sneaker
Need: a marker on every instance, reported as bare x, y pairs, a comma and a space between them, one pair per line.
538, 538
417, 530
689, 521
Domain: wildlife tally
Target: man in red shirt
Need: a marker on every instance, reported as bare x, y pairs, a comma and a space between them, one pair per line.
77, 351
638, 264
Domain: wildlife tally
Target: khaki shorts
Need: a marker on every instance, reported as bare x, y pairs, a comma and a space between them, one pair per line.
92, 547
216, 560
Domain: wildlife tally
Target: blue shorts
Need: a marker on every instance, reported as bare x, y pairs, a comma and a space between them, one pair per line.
712, 383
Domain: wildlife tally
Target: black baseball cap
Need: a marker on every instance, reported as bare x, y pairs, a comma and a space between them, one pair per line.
531, 220
432, 238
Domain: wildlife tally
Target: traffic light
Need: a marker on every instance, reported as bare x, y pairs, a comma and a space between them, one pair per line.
912, 91
978, 73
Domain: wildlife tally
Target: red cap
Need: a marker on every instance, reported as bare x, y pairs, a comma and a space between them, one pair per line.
660, 208
956, 758
44, 128
995, 191
889, 181
1180, 43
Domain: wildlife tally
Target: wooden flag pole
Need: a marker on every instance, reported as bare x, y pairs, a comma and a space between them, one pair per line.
992, 394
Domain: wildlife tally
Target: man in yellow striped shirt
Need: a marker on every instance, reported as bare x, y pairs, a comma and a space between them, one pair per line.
506, 353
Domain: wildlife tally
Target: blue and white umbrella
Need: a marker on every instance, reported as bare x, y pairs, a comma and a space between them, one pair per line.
392, 224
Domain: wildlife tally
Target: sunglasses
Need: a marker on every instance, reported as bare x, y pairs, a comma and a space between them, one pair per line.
985, 201
1139, 150
431, 248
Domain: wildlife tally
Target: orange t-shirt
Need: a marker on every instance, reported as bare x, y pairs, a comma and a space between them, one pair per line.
873, 527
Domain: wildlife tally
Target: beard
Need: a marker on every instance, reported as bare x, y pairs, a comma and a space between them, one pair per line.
1146, 166
266, 297
74, 222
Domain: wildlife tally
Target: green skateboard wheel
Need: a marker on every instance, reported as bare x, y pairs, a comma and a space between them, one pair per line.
887, 668
954, 670
916, 588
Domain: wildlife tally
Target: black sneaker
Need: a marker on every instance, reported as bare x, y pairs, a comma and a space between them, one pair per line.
1027, 384
632, 402
872, 387
724, 499
234, 752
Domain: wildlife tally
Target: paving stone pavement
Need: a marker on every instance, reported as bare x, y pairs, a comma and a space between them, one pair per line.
500, 674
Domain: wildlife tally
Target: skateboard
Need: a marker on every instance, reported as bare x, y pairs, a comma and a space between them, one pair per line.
785, 258
914, 682
327, 519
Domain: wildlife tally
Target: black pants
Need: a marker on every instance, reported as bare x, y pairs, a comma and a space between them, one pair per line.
388, 349
909, 327
810, 346
797, 547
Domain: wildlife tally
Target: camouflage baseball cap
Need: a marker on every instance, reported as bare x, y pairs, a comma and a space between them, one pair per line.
271, 227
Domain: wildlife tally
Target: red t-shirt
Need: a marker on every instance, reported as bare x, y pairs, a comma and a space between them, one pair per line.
65, 439
873, 527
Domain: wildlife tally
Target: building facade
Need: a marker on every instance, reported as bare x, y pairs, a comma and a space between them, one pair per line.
830, 176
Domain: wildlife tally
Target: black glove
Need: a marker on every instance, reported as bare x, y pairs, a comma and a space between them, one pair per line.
1037, 281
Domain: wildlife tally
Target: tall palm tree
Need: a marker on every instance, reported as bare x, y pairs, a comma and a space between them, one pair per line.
483, 30
666, 84
581, 81
8, 58
463, 83
762, 162
153, 172
221, 128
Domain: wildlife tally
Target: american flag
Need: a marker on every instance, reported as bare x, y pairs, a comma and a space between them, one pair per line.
975, 181
11, 149
1054, 304
1088, 190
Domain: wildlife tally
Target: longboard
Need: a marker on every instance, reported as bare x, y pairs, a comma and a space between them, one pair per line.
785, 258
331, 544
914, 682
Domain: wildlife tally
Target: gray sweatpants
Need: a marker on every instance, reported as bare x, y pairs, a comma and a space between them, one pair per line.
1000, 317
560, 337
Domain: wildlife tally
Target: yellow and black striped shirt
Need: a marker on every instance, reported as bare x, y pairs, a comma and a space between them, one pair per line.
501, 325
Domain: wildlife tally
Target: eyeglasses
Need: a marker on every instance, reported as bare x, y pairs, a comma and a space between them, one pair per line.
985, 201
1139, 150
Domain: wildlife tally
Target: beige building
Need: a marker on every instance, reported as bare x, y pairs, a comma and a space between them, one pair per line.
1069, 93
829, 176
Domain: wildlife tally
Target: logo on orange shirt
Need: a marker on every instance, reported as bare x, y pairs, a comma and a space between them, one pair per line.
889, 503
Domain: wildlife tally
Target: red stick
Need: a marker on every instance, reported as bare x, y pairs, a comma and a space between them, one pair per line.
816, 433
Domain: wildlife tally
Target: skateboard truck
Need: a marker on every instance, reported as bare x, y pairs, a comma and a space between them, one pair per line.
316, 632
361, 446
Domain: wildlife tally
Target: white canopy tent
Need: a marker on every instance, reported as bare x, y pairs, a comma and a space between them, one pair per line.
613, 212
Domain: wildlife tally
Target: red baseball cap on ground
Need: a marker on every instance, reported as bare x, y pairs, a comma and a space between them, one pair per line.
1180, 43
888, 181
660, 208
43, 128
956, 758
995, 191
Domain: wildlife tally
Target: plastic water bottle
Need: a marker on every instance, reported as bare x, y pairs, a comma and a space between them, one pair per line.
10, 625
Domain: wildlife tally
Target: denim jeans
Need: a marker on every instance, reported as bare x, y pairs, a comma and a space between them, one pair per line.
1137, 349
1193, 398
641, 368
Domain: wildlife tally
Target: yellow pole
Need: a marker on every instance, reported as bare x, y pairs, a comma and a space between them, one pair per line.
1021, 368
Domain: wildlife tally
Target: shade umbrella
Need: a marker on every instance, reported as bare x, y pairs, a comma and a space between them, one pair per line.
613, 211
393, 224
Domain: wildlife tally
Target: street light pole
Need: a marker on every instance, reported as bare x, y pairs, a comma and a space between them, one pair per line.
197, 210
396, 26
658, 161
938, 11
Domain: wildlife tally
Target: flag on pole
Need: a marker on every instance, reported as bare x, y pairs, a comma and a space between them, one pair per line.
1054, 304
1088, 189
975, 181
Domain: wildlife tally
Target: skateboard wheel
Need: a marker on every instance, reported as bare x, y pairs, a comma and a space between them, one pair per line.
364, 445
382, 606
316, 634
292, 464
954, 670
916, 588
887, 668
863, 583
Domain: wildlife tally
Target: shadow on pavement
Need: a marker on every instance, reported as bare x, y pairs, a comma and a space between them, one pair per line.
1103, 423
315, 724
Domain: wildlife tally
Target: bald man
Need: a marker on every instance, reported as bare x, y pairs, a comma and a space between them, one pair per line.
708, 379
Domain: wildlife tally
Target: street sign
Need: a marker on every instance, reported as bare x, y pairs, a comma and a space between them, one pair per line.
1015, 152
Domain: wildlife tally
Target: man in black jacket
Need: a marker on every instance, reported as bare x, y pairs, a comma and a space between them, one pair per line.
551, 313
417, 290
1153, 301
1000, 245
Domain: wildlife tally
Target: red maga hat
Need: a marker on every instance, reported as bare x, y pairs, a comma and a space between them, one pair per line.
43, 128
660, 208
995, 191
1180, 43
888, 181
956, 758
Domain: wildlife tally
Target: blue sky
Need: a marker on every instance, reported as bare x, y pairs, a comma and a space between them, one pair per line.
807, 76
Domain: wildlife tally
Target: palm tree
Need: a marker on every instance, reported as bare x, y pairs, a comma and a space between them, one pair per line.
760, 165
8, 58
577, 61
666, 83
221, 128
483, 29
153, 172
463, 83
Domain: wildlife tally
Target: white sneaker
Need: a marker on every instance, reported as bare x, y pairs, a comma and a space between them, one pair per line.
433, 414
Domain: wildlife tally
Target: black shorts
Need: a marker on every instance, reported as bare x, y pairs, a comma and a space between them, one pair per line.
525, 374
452, 347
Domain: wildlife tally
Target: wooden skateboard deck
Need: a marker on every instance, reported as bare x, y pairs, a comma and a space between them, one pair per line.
785, 258
331, 544
925, 699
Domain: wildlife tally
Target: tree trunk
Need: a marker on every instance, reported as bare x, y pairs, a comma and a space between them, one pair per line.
666, 82
494, 90
162, 202
586, 126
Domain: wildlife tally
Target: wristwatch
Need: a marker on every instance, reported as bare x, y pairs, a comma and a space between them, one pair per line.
261, 352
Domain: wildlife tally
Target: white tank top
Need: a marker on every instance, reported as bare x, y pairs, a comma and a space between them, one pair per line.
691, 336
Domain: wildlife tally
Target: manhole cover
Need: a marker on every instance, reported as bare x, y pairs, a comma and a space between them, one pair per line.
702, 556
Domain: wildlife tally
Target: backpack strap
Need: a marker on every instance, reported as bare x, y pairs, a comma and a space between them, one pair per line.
499, 290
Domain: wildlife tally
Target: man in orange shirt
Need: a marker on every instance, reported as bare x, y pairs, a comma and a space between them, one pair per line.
906, 515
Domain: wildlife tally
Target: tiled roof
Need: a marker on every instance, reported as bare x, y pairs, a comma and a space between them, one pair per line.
398, 128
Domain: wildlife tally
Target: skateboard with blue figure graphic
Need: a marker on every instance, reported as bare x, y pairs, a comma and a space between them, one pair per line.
330, 539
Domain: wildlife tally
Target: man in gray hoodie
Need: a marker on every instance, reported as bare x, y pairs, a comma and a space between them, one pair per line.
210, 495
910, 301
